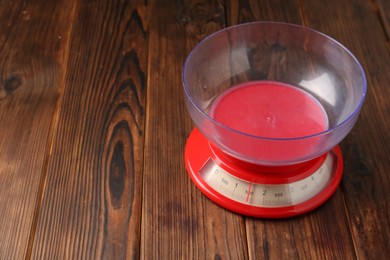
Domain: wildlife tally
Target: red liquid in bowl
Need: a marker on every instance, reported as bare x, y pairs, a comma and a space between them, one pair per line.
269, 109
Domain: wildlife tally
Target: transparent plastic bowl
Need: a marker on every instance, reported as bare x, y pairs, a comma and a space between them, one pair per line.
328, 76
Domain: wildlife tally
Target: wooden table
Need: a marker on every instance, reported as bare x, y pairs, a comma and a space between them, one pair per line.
93, 127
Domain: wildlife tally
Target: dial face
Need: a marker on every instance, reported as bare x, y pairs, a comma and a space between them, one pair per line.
266, 195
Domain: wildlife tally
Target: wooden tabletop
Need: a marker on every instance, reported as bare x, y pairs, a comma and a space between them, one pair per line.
93, 127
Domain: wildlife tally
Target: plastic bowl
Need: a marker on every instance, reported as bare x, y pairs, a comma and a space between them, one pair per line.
273, 93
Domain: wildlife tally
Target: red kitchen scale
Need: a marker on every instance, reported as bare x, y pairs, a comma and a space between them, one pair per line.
267, 123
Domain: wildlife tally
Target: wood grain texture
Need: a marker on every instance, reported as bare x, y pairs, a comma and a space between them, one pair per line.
250, 10
91, 207
31, 78
178, 221
321, 234
366, 150
382, 7
93, 127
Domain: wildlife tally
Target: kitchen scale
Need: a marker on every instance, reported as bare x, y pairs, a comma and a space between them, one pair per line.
270, 101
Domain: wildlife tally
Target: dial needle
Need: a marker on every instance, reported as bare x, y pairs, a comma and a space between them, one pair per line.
249, 192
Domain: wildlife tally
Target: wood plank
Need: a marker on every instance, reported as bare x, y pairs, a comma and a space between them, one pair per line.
310, 236
92, 199
366, 150
178, 222
263, 10
383, 9
33, 50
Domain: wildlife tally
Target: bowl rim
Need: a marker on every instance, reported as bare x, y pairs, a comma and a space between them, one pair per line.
265, 23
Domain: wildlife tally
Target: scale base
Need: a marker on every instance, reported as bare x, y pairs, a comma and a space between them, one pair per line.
262, 191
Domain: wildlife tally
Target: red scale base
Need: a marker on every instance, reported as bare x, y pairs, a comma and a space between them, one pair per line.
262, 191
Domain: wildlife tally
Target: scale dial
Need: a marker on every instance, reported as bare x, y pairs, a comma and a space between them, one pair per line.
266, 195
259, 193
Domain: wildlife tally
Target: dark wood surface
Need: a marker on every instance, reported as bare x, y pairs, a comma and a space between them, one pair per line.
93, 127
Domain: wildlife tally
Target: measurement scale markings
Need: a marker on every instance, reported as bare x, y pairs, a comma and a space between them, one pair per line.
234, 190
266, 195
